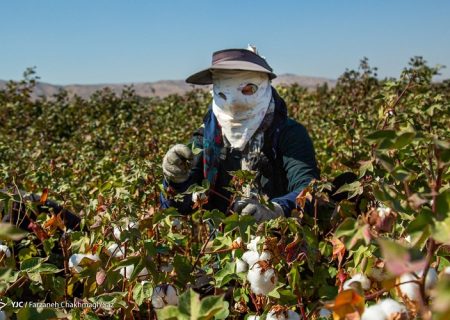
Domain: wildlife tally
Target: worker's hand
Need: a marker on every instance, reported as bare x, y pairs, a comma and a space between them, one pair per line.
259, 211
177, 163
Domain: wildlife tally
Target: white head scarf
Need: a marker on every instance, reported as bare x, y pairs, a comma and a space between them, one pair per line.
238, 114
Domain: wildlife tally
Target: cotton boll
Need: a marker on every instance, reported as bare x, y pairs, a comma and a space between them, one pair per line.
251, 257
76, 258
117, 231
431, 280
241, 266
374, 312
446, 271
253, 317
361, 278
292, 315
283, 315
253, 245
116, 251
262, 278
324, 313
127, 271
5, 250
265, 255
163, 295
176, 224
410, 290
391, 307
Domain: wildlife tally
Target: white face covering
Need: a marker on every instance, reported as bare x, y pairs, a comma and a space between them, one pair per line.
240, 102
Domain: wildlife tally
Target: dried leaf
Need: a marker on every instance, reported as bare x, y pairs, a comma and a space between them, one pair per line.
338, 250
303, 196
348, 305
44, 196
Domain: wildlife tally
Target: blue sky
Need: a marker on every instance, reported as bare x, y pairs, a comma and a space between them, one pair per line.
109, 41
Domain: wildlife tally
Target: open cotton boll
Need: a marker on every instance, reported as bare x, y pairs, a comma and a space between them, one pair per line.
127, 271
431, 280
76, 258
446, 271
250, 257
412, 290
5, 250
262, 278
253, 317
361, 278
117, 231
285, 315
324, 313
391, 308
253, 244
116, 251
241, 266
374, 312
164, 295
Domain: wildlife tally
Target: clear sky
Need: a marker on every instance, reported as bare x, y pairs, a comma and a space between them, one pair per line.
110, 41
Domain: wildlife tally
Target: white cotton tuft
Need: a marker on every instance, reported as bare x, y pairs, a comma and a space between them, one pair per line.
176, 224
241, 266
261, 282
250, 257
431, 280
117, 231
127, 271
164, 295
446, 270
167, 268
374, 312
116, 251
253, 317
288, 315
76, 258
324, 313
5, 250
253, 245
391, 307
359, 277
412, 290
265, 255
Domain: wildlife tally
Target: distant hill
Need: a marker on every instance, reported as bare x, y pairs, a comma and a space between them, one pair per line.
161, 88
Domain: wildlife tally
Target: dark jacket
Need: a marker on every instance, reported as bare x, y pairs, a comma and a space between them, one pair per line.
287, 166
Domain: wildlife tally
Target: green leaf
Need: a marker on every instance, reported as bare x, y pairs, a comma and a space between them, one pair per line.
9, 232
353, 189
381, 135
37, 314
347, 228
183, 268
191, 307
403, 140
441, 231
142, 291
225, 274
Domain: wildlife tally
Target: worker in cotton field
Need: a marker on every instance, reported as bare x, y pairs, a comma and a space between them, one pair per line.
245, 128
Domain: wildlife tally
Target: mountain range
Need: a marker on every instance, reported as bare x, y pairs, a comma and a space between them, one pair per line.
161, 88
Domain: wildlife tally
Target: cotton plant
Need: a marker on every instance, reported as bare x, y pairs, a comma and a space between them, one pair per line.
4, 250
127, 271
260, 273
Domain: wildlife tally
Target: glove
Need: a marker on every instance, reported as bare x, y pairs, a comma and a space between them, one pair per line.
177, 163
259, 211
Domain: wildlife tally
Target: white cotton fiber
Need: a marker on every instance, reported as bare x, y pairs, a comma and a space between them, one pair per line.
261, 282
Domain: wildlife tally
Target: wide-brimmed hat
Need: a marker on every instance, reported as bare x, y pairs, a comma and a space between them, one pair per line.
232, 59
